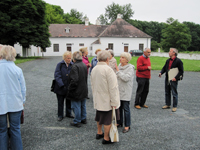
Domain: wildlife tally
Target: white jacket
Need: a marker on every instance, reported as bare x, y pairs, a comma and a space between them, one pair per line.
125, 77
104, 87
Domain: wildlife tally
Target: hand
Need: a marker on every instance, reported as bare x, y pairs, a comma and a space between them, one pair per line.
149, 67
160, 75
89, 64
116, 67
114, 107
174, 79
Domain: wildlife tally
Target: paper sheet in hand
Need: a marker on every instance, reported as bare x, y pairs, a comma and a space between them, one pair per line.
172, 73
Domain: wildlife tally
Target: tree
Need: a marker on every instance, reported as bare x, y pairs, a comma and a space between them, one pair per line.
74, 17
195, 33
175, 35
113, 10
23, 21
54, 14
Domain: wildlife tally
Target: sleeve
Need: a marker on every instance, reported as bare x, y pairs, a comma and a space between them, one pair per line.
58, 75
164, 68
113, 88
23, 86
180, 68
73, 78
140, 66
126, 76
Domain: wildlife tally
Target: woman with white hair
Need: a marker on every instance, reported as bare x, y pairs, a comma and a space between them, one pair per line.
125, 73
12, 98
61, 76
78, 90
105, 95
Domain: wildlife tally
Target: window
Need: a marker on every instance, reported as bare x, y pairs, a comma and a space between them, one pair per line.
56, 47
81, 44
110, 46
141, 47
69, 47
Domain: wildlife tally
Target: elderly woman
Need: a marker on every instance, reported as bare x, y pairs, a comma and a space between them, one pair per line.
12, 98
77, 90
105, 95
85, 60
61, 76
94, 60
112, 61
125, 73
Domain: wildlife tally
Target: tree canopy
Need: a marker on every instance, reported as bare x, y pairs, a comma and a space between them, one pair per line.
111, 12
23, 21
176, 35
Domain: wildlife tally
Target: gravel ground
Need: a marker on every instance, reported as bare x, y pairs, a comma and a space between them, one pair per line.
151, 129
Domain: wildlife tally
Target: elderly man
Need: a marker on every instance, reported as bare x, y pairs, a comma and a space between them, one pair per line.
172, 62
143, 74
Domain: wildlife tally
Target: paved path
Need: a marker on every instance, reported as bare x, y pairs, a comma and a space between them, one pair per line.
151, 129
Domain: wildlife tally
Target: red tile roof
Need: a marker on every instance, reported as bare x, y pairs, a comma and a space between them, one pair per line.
119, 28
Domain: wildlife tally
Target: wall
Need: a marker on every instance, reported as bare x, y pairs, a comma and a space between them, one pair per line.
180, 55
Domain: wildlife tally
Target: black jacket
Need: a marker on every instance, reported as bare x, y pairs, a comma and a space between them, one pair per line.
177, 63
77, 89
61, 76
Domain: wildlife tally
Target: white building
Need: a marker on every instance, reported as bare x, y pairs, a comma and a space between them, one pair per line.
119, 36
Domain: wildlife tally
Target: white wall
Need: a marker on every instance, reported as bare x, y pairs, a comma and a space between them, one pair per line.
118, 45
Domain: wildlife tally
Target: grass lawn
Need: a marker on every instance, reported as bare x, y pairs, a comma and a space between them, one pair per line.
158, 62
25, 59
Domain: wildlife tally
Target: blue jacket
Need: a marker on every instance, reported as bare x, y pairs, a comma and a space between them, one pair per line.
93, 63
61, 76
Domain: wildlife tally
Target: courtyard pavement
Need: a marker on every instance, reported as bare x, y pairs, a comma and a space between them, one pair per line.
151, 129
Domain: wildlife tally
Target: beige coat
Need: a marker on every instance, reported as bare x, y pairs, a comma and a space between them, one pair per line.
104, 87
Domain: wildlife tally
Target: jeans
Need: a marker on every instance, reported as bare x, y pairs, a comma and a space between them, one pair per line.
142, 91
172, 86
61, 99
125, 109
15, 133
79, 109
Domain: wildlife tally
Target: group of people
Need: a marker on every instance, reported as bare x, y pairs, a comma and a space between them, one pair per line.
111, 84
12, 99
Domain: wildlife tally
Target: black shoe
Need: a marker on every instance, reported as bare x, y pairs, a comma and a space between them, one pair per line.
107, 142
99, 136
70, 116
126, 130
84, 121
60, 118
75, 124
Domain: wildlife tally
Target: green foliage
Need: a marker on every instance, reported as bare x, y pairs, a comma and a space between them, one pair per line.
23, 21
195, 33
25, 59
154, 45
111, 12
54, 14
74, 17
175, 35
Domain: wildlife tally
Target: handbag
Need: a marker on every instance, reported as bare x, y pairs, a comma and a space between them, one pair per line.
53, 85
114, 136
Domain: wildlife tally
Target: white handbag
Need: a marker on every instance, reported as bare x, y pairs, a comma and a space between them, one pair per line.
114, 136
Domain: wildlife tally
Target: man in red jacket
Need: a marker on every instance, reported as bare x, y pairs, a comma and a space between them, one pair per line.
143, 74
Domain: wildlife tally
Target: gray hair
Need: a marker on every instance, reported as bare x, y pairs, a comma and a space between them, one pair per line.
77, 55
175, 51
146, 49
103, 55
111, 52
126, 55
8, 53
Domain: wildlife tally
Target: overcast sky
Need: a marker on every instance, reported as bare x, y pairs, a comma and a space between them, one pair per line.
144, 10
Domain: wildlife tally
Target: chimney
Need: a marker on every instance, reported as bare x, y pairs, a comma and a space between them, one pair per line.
119, 16
86, 21
98, 22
